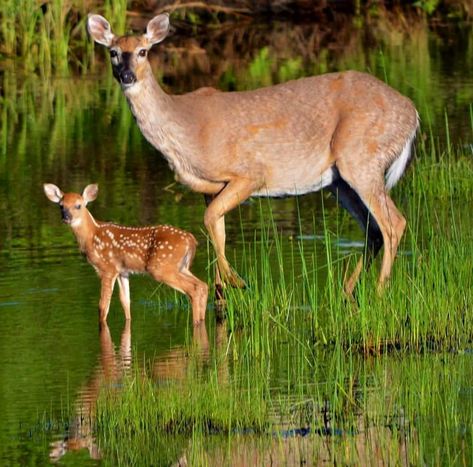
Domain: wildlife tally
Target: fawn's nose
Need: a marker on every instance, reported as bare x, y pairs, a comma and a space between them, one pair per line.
66, 215
127, 77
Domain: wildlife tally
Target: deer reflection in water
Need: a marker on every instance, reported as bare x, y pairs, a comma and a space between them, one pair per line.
113, 366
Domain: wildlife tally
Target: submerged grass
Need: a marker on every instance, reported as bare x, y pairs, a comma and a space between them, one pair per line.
183, 407
340, 407
155, 405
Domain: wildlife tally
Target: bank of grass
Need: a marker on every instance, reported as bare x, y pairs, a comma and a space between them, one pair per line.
155, 415
182, 407
426, 303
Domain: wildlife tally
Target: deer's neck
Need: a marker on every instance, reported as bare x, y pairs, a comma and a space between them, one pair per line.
155, 112
84, 230
169, 126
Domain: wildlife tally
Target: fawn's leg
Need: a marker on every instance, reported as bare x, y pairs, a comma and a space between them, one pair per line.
108, 282
125, 295
185, 282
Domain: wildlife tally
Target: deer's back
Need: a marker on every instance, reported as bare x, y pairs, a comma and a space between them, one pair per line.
299, 107
131, 249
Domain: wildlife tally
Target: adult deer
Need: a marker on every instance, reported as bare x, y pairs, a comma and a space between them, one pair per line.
347, 132
116, 251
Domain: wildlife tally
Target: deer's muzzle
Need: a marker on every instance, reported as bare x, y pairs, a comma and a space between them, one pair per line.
66, 215
127, 77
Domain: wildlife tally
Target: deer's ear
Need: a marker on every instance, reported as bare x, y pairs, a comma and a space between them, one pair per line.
53, 193
100, 30
90, 193
157, 29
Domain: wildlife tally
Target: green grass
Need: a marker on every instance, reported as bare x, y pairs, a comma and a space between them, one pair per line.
424, 306
354, 410
189, 395
182, 407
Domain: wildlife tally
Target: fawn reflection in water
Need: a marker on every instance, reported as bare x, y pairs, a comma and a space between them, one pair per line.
113, 366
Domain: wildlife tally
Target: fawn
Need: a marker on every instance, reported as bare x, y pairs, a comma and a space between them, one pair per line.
346, 132
116, 251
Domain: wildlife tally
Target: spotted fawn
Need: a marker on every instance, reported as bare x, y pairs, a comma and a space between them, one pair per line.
116, 251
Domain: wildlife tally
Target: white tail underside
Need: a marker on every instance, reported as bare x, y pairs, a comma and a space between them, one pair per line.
398, 167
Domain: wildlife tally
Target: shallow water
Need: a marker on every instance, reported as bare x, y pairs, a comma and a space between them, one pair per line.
76, 130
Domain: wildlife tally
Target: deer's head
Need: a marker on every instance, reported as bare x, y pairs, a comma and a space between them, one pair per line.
73, 205
128, 54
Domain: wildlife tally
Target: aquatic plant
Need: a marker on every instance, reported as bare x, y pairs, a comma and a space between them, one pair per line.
336, 406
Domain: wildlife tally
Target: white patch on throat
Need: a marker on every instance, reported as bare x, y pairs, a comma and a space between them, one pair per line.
133, 90
76, 222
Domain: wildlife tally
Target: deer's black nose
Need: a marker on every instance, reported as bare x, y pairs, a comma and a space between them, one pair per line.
127, 77
66, 215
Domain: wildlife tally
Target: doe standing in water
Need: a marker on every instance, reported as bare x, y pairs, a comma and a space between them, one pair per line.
347, 132
116, 251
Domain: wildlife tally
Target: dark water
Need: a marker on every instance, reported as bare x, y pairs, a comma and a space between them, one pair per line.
74, 130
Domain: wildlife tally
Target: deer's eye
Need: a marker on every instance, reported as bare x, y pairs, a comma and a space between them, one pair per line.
77, 206
142, 53
113, 53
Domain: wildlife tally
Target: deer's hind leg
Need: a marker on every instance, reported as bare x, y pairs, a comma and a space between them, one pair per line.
392, 224
350, 200
124, 285
363, 151
185, 282
381, 208
176, 274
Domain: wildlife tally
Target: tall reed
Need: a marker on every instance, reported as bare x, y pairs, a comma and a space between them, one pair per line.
52, 37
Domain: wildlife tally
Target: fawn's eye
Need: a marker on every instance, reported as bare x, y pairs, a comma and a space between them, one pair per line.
113, 53
142, 53
77, 206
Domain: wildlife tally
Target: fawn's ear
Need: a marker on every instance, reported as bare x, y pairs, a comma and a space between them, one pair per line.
90, 193
100, 30
53, 193
157, 29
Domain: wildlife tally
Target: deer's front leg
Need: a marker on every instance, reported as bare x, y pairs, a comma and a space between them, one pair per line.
220, 233
124, 285
234, 193
108, 281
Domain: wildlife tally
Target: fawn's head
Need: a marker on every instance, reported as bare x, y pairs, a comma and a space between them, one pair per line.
73, 205
128, 54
